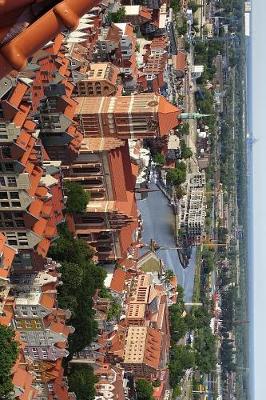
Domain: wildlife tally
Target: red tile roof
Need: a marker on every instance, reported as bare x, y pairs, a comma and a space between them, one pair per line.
118, 281
180, 61
168, 116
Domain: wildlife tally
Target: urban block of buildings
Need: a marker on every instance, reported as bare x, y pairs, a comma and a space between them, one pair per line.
80, 112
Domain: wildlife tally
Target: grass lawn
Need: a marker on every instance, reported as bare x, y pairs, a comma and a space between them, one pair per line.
151, 266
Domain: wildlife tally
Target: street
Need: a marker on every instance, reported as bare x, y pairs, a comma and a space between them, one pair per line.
159, 224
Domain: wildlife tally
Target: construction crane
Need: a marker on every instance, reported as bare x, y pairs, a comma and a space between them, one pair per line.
27, 25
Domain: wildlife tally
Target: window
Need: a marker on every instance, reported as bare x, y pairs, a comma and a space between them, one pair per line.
2, 181
3, 195
5, 204
14, 195
9, 224
6, 152
15, 204
9, 167
20, 224
11, 181
27, 256
21, 234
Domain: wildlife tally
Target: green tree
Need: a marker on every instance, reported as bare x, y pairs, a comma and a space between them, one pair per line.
81, 277
117, 16
114, 311
8, 356
186, 151
81, 381
144, 390
193, 6
205, 355
66, 248
180, 294
184, 128
168, 275
77, 197
159, 159
176, 6
181, 359
177, 176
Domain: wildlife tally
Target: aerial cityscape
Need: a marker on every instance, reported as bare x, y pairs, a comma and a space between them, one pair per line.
126, 167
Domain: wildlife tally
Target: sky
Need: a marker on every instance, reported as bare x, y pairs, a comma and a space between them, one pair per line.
259, 193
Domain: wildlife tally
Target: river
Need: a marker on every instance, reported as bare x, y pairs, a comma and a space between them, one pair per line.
159, 224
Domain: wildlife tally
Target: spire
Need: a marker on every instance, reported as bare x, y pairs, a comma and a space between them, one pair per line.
185, 116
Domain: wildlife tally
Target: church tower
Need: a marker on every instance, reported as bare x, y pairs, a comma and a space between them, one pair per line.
126, 117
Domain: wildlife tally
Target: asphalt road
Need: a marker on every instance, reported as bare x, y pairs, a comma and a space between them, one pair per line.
158, 223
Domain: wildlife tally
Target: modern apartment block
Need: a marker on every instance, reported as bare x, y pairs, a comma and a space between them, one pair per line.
191, 209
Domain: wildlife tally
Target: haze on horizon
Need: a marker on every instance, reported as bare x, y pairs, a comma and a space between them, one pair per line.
259, 195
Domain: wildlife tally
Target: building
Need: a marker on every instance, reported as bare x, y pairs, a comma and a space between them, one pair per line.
143, 353
192, 207
41, 325
126, 117
102, 79
111, 383
109, 224
117, 43
27, 211
54, 107
179, 64
137, 15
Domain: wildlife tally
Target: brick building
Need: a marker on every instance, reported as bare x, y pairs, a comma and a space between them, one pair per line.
109, 224
126, 117
102, 79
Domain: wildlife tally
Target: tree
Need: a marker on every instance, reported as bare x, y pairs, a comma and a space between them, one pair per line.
181, 359
81, 381
180, 294
193, 6
178, 327
114, 311
168, 275
205, 355
8, 356
117, 16
77, 197
176, 6
159, 159
66, 248
144, 390
81, 277
179, 192
177, 176
186, 151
